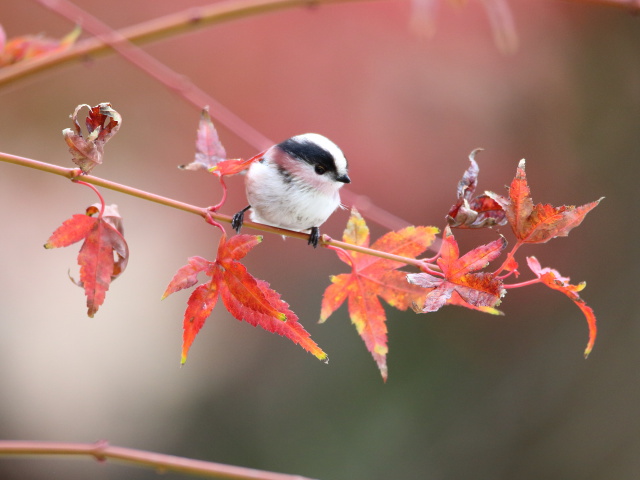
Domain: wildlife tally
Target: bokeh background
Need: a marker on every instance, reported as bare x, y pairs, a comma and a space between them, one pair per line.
469, 396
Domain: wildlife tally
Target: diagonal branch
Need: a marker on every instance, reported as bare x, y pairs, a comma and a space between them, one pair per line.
101, 451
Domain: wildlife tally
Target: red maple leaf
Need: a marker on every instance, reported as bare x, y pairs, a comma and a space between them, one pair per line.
244, 296
27, 47
88, 151
373, 276
460, 286
103, 255
538, 223
552, 279
474, 212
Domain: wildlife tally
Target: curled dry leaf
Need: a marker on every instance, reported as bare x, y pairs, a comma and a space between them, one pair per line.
474, 212
102, 123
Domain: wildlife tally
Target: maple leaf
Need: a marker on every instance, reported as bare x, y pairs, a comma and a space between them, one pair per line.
372, 277
104, 253
245, 297
474, 212
542, 222
552, 279
32, 46
460, 286
88, 152
209, 149
233, 166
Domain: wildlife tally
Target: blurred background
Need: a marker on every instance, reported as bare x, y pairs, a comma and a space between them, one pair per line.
469, 396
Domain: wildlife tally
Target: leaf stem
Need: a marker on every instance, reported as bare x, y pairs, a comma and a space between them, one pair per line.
101, 451
523, 284
102, 204
510, 256
203, 212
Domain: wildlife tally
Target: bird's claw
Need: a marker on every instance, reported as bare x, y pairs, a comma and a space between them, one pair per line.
314, 237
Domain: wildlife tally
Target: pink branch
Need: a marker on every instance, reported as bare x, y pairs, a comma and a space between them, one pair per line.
103, 451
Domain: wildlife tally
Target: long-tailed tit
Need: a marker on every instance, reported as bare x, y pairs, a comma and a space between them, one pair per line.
295, 185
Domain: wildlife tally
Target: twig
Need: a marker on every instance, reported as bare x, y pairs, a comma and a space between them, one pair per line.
203, 212
102, 451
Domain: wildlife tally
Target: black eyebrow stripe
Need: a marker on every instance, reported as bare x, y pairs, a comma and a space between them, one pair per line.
309, 152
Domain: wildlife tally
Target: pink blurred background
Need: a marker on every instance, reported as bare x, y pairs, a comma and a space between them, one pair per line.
469, 395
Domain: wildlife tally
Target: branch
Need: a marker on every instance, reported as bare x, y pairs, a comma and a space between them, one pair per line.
102, 451
72, 174
632, 6
173, 24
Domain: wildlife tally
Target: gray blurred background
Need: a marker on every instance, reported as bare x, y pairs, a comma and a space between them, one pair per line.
469, 396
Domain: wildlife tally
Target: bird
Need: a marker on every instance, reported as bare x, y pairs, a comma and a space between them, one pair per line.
295, 185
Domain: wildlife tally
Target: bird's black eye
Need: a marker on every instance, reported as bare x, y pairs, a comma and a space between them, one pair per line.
320, 169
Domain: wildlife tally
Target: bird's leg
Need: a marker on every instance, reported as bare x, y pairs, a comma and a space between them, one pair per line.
314, 236
238, 219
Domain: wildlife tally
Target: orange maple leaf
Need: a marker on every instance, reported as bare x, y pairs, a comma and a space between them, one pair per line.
103, 255
542, 222
552, 279
373, 276
481, 291
244, 296
32, 46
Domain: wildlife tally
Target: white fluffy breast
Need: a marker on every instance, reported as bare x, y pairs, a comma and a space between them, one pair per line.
286, 200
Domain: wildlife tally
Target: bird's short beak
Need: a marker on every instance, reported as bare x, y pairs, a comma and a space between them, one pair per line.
343, 178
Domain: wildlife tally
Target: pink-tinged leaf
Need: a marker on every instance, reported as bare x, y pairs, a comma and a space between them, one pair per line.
552, 279
209, 149
199, 307
187, 276
477, 289
477, 259
102, 123
456, 299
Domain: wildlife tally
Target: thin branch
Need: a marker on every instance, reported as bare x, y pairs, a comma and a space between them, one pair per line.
203, 212
632, 6
152, 30
103, 451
